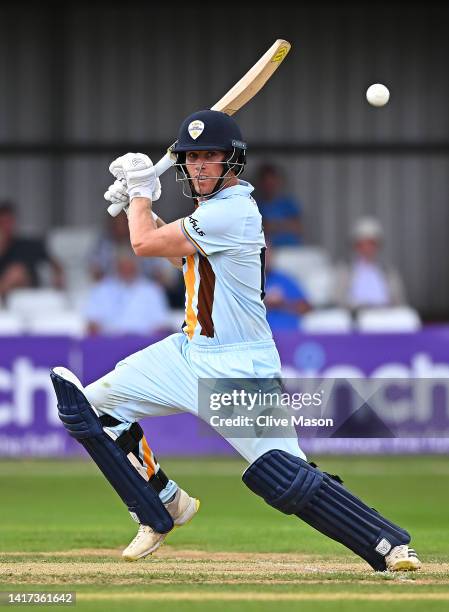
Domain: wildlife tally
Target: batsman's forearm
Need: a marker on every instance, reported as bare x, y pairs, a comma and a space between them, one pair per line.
142, 225
141, 222
176, 261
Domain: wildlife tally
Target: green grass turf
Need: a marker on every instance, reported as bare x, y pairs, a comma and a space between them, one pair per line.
50, 505
57, 506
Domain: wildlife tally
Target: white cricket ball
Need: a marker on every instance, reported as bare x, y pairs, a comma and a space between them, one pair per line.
377, 94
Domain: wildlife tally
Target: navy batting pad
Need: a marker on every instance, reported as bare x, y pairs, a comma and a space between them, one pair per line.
293, 486
84, 425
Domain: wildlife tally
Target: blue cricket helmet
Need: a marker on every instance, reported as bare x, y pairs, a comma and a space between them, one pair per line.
209, 130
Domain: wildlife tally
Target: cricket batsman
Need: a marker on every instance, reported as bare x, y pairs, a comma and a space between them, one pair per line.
220, 247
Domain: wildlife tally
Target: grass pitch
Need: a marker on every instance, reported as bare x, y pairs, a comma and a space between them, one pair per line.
62, 528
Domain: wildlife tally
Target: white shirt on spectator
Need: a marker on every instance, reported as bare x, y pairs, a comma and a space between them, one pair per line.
368, 285
117, 307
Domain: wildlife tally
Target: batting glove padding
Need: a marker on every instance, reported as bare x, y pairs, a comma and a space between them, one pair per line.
138, 171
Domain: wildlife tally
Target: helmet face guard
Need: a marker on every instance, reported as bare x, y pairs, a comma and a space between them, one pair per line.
209, 131
234, 162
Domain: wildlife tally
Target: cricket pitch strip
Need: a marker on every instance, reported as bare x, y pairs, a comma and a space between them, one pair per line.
174, 566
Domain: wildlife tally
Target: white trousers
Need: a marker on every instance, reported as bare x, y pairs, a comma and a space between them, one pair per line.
163, 379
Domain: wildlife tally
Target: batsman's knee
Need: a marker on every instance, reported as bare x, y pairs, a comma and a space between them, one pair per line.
284, 481
78, 416
100, 393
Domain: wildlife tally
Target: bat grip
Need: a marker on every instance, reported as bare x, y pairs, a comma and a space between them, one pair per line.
162, 166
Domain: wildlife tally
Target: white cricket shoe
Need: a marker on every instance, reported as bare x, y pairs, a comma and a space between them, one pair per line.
402, 559
182, 509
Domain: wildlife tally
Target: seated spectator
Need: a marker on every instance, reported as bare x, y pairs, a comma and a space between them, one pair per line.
126, 302
281, 213
21, 258
285, 300
116, 236
366, 281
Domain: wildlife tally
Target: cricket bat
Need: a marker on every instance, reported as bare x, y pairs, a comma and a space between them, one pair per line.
241, 93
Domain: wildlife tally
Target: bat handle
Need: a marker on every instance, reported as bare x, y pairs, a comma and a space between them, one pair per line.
115, 209
162, 166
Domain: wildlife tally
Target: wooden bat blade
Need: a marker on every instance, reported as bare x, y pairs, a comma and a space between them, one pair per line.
254, 79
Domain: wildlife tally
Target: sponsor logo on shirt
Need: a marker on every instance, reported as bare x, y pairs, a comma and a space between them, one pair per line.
194, 224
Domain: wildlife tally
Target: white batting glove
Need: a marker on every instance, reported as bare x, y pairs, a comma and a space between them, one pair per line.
138, 171
117, 195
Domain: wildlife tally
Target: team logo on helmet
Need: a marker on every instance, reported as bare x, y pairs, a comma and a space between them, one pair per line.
196, 129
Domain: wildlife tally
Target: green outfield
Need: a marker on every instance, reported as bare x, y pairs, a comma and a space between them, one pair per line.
62, 528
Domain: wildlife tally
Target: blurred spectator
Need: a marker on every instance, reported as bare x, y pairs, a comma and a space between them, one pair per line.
126, 302
116, 235
21, 259
366, 280
103, 256
285, 300
281, 213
